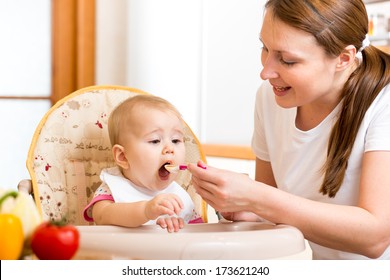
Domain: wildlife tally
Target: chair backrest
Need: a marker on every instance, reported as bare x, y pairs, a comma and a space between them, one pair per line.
71, 145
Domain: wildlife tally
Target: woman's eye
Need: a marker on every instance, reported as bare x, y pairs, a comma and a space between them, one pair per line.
288, 63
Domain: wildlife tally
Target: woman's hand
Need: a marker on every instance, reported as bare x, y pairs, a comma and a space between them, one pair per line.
224, 190
241, 216
172, 224
163, 204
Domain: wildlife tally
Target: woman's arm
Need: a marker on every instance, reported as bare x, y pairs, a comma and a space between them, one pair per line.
362, 229
264, 172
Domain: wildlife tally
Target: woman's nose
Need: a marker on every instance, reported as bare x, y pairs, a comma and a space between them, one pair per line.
268, 71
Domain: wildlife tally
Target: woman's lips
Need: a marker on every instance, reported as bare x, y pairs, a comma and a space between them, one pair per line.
281, 91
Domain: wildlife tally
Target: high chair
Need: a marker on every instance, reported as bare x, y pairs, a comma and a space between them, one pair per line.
71, 146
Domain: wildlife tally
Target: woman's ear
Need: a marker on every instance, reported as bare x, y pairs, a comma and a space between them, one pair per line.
118, 152
346, 58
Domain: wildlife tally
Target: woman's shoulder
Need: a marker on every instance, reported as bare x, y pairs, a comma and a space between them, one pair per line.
386, 91
266, 104
264, 89
264, 95
382, 100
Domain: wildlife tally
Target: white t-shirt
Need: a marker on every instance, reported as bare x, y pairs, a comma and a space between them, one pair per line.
119, 189
297, 156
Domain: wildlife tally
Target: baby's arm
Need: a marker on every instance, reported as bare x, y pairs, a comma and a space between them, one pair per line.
134, 214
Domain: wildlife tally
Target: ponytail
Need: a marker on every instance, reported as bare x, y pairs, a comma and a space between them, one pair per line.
362, 87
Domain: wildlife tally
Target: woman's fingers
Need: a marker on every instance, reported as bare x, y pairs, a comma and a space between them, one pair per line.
201, 171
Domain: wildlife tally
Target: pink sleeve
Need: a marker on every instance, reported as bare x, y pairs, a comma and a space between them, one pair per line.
198, 220
87, 213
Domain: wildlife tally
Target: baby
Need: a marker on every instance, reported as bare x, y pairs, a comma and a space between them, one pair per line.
146, 133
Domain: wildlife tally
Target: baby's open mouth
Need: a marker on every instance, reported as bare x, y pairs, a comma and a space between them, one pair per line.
163, 172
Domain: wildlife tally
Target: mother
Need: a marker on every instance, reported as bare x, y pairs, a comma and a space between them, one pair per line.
321, 135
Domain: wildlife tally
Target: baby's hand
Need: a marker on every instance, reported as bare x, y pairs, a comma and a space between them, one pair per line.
163, 204
172, 224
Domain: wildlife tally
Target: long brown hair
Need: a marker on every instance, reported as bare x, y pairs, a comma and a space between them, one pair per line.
336, 24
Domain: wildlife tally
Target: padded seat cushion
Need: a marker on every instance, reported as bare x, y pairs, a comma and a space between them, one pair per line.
71, 146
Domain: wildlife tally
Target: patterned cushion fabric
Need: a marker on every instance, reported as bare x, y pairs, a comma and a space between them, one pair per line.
71, 146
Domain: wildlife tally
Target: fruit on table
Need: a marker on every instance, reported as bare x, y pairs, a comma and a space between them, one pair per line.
55, 241
11, 232
22, 205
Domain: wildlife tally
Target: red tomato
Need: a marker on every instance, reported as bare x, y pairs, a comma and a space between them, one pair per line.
55, 242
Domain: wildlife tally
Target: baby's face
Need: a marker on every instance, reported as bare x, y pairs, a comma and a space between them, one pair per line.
152, 139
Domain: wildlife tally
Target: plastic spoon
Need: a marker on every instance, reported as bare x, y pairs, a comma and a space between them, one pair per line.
175, 168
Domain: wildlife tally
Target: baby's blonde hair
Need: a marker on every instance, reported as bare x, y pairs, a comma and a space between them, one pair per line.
122, 114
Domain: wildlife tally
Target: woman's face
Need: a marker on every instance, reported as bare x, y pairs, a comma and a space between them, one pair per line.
297, 67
